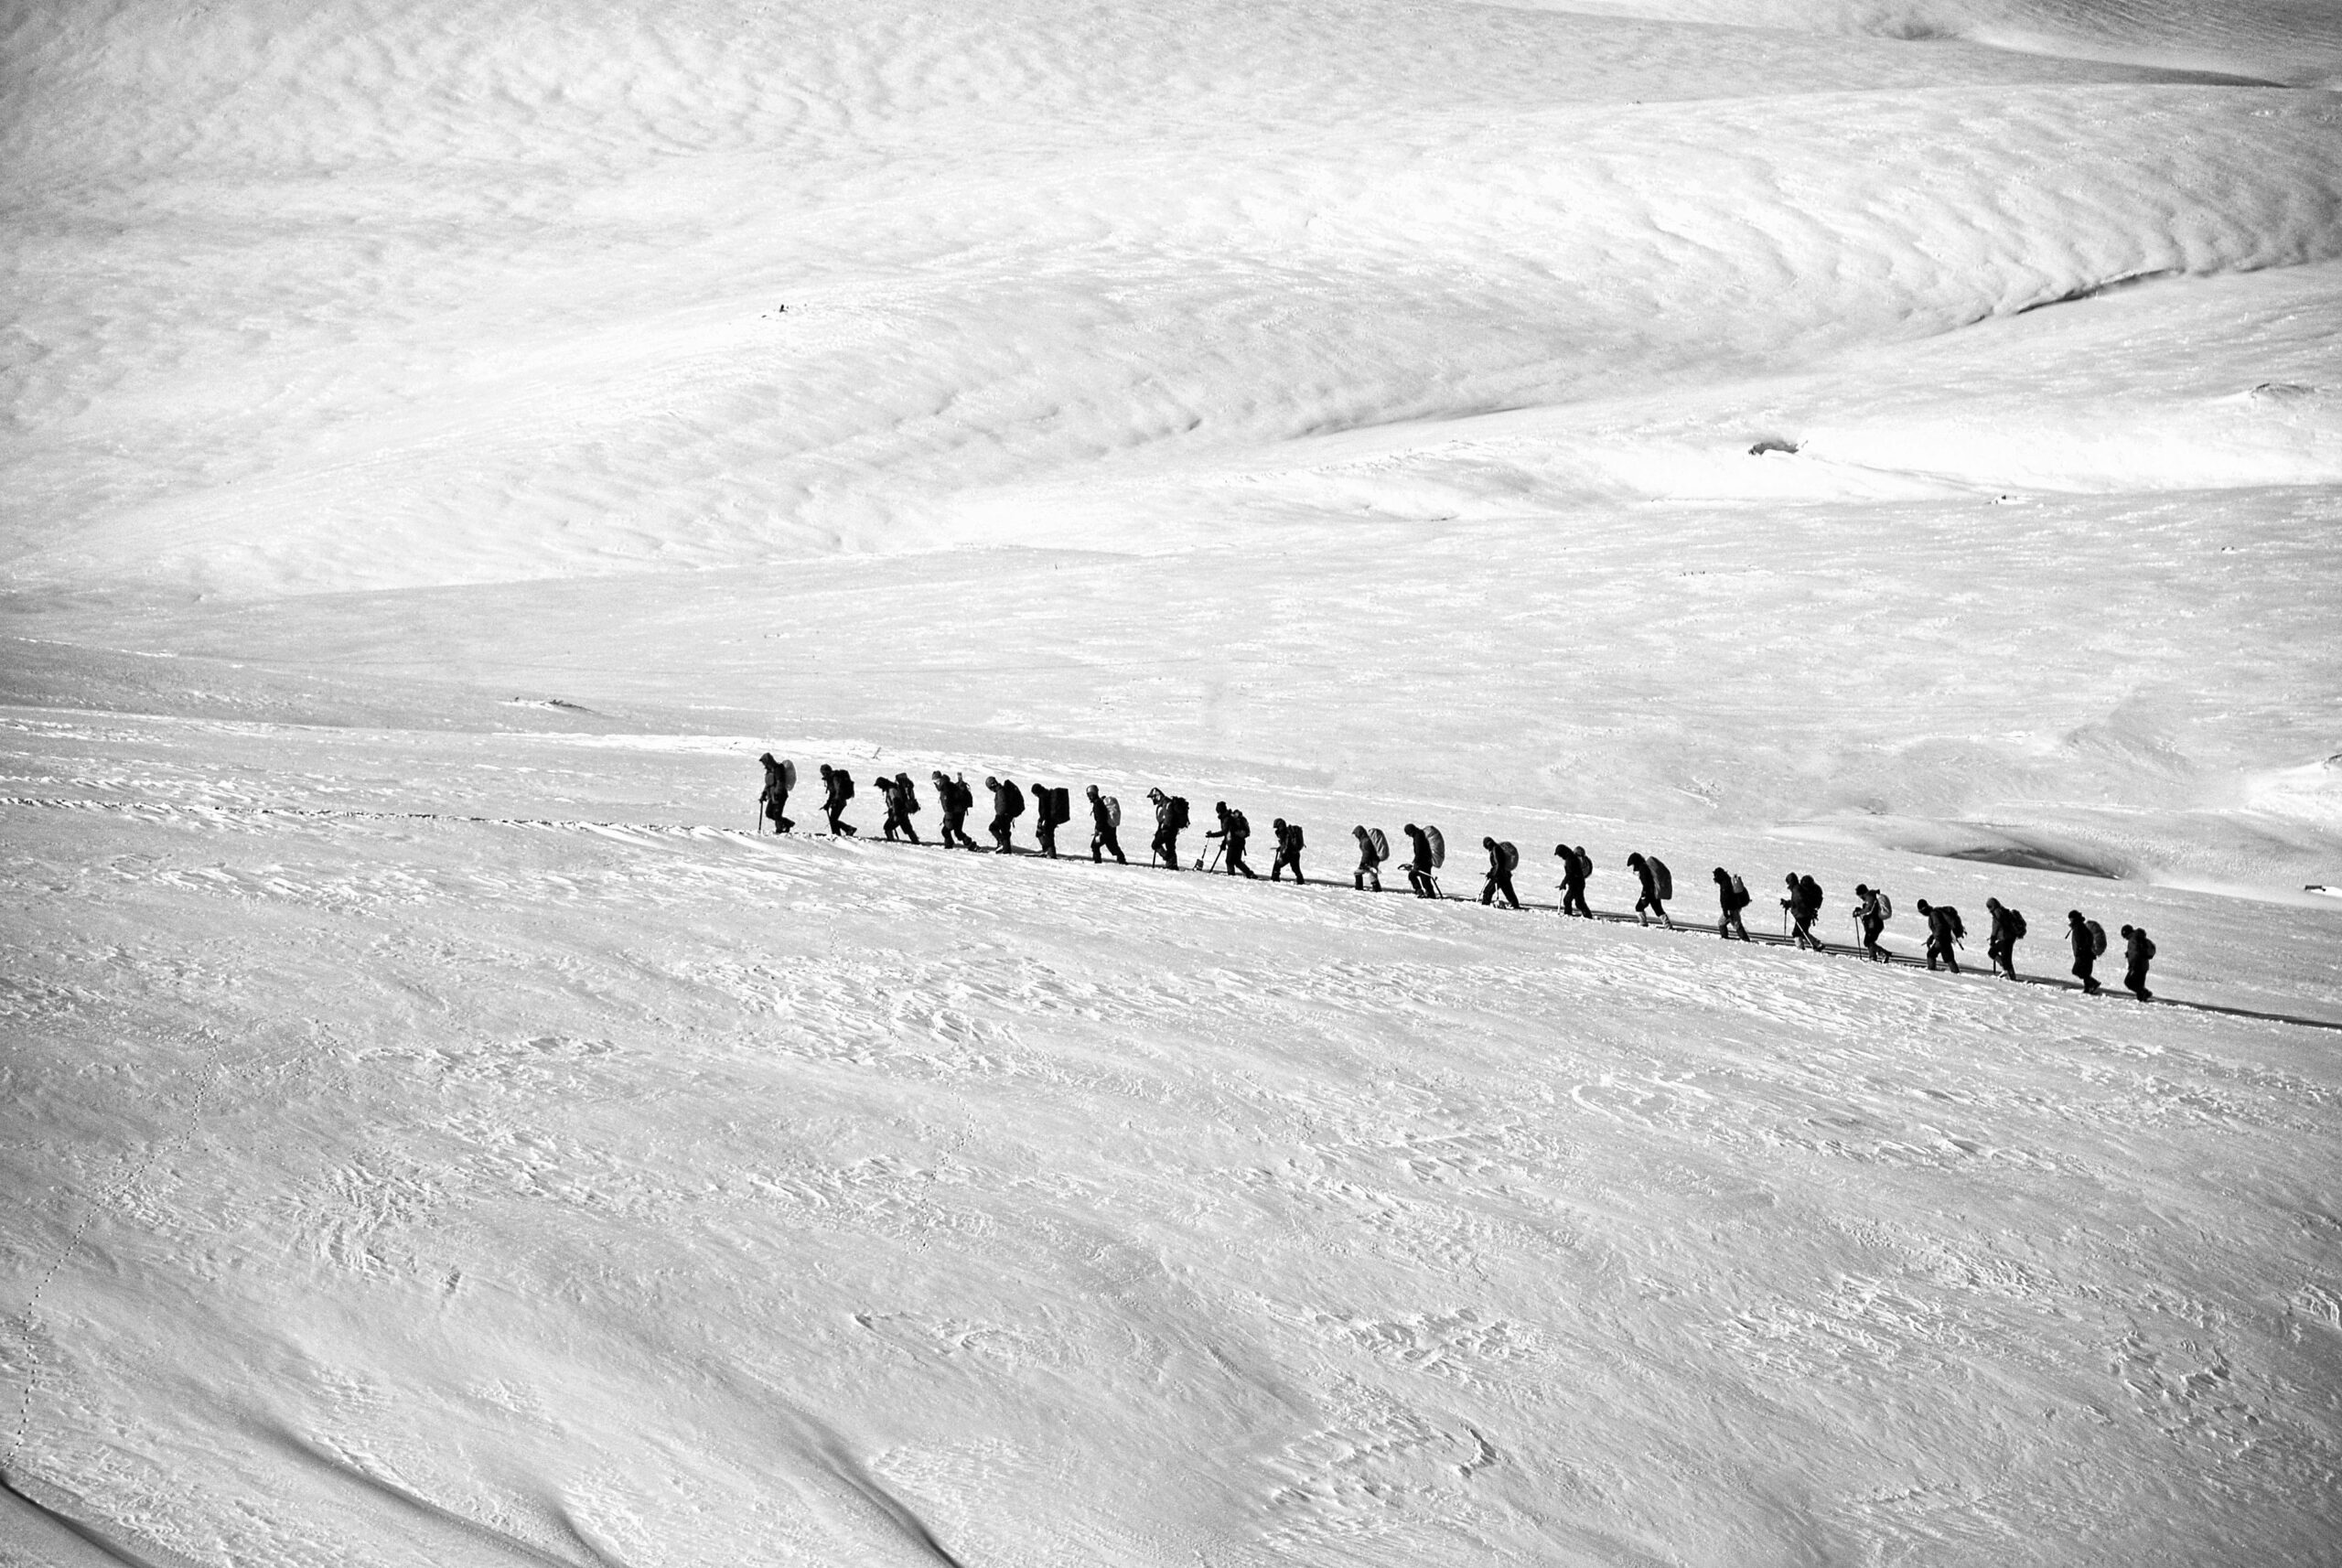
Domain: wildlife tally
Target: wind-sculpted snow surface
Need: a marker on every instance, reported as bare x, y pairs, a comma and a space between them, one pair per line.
445, 443
398, 1188
376, 308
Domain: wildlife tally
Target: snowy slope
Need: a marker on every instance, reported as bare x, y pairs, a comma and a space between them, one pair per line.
445, 443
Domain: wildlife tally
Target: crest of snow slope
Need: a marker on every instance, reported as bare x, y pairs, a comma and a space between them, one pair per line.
2298, 42
350, 298
459, 1189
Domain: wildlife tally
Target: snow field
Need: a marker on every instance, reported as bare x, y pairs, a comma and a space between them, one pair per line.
446, 442
665, 1192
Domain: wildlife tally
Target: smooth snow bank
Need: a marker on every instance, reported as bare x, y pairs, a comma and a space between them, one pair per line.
407, 1189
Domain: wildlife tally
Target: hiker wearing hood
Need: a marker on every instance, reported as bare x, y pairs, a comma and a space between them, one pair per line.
773, 803
953, 798
2008, 926
1870, 920
1288, 837
1646, 870
1731, 898
1370, 859
1419, 868
1232, 831
2085, 944
837, 789
1007, 805
1501, 858
2137, 954
1804, 903
1576, 866
1944, 931
1170, 817
1102, 812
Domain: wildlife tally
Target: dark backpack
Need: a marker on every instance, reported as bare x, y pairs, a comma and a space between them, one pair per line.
845, 784
1012, 800
1952, 920
1508, 857
1237, 826
2016, 924
1178, 819
1585, 862
2097, 938
1808, 896
1662, 879
1739, 893
1060, 806
1293, 837
1382, 845
908, 796
2146, 947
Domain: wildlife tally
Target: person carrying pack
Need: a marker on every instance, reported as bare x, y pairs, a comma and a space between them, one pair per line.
1650, 872
1170, 821
900, 804
1232, 831
1872, 909
1046, 818
955, 800
1007, 805
1502, 858
2008, 930
1288, 837
1422, 864
1803, 903
1731, 898
2088, 939
1576, 866
772, 805
2138, 951
837, 789
1373, 849
1105, 817
1945, 932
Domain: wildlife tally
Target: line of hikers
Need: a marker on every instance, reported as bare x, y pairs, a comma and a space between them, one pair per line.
1427, 853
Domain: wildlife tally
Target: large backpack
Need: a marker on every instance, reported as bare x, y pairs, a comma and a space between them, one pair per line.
788, 775
2097, 938
909, 796
1739, 892
1292, 836
2146, 947
1808, 895
1662, 879
1012, 800
2016, 924
1438, 847
1060, 805
1886, 906
1584, 859
1508, 857
845, 784
1238, 825
1958, 928
1178, 819
1114, 809
1382, 845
